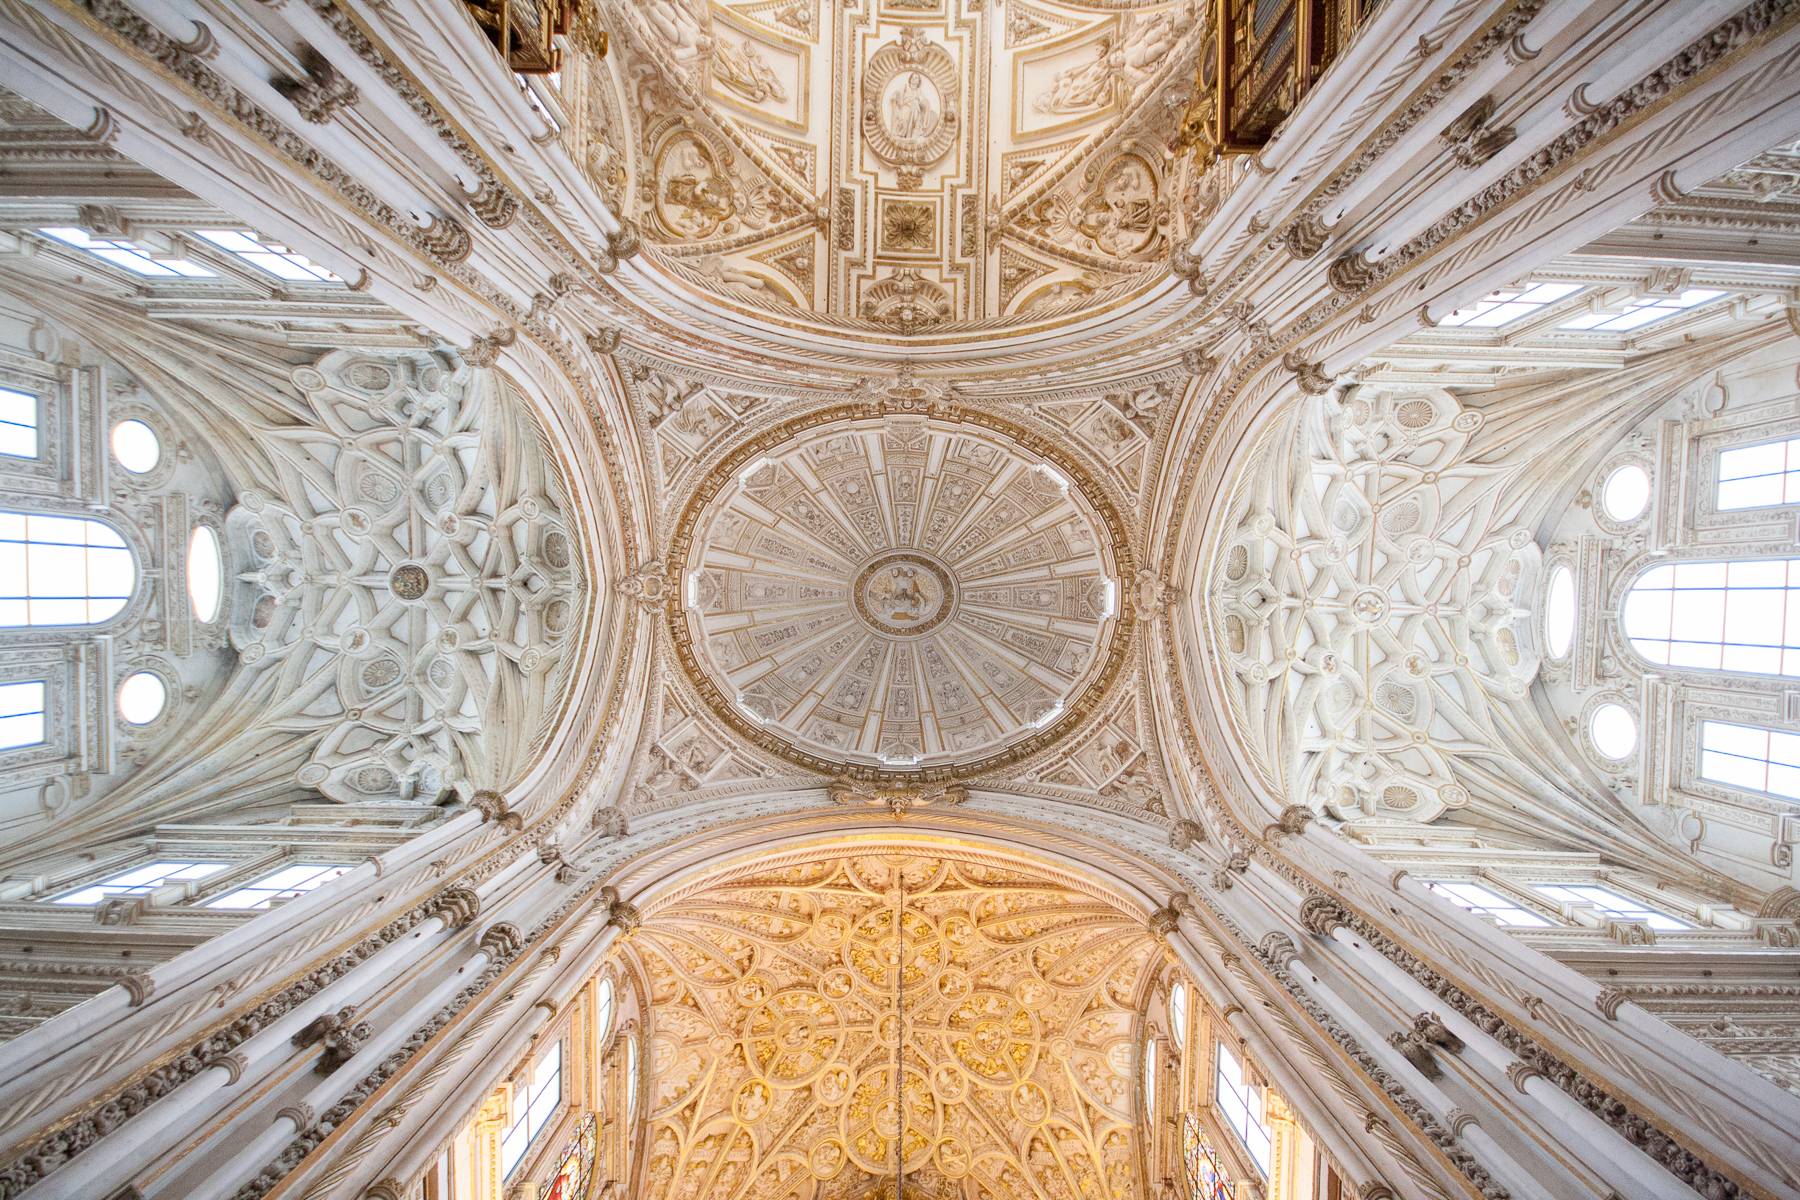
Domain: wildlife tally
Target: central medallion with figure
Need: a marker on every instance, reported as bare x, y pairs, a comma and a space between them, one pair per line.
904, 594
879, 593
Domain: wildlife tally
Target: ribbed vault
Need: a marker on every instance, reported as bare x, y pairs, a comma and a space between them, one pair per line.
830, 1026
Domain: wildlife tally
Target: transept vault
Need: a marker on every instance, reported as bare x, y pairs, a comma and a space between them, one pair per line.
899, 600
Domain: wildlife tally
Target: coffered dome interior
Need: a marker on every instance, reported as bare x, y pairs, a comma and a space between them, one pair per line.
898, 593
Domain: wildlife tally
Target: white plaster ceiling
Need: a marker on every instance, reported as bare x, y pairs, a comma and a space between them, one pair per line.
899, 593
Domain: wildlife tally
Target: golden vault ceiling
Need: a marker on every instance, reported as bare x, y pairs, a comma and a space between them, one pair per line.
899, 592
902, 165
822, 1026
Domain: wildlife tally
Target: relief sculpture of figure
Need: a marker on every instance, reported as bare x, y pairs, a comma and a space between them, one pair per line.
682, 25
913, 111
741, 69
1086, 86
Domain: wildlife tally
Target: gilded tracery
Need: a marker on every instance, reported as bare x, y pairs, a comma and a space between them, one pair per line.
820, 1024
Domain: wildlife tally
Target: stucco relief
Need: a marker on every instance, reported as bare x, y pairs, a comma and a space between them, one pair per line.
1372, 602
927, 220
970, 1020
410, 583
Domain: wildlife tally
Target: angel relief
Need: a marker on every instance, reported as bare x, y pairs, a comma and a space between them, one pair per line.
742, 70
1119, 64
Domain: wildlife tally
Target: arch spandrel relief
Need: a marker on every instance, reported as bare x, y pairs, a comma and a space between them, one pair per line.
815, 1024
898, 593
916, 168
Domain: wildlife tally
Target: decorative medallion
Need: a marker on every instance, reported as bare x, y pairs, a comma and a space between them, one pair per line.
909, 118
884, 595
409, 581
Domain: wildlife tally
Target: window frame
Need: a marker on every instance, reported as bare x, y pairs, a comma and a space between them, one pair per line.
1489, 913
1791, 600
1632, 909
532, 1088
111, 884
36, 424
42, 712
127, 603
1257, 1117
1769, 734
269, 872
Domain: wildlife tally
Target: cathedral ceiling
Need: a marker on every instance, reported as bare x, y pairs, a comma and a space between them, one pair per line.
908, 167
823, 1025
897, 591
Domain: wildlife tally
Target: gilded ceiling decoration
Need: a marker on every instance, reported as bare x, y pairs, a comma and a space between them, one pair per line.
910, 166
820, 1029
897, 592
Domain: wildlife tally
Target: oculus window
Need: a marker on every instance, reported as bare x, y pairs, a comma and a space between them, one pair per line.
18, 423
1760, 476
1718, 616
284, 884
205, 573
1609, 903
61, 570
1751, 757
136, 446
140, 881
1485, 903
21, 714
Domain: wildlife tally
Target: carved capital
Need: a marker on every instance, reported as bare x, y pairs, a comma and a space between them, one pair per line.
620, 912
501, 940
493, 807
1279, 947
604, 340
1184, 264
1350, 273
1322, 915
611, 821
323, 91
1305, 237
484, 351
138, 986
1310, 376
1609, 1001
386, 1189
301, 1115
1518, 1074
455, 906
620, 246
1458, 1120
234, 1064
493, 205
1185, 833
1473, 139
446, 240
1631, 933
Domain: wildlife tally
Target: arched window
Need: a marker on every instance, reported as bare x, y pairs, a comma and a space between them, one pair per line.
1742, 615
603, 1011
61, 570
1178, 1016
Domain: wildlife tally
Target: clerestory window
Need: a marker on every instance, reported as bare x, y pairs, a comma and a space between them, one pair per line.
62, 570
1742, 615
1751, 757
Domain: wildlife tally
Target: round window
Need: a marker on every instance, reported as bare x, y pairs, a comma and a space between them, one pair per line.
1614, 730
142, 697
1559, 612
1627, 493
204, 577
136, 446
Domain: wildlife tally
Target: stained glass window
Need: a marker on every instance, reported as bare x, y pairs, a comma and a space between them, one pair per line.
571, 1179
1206, 1178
